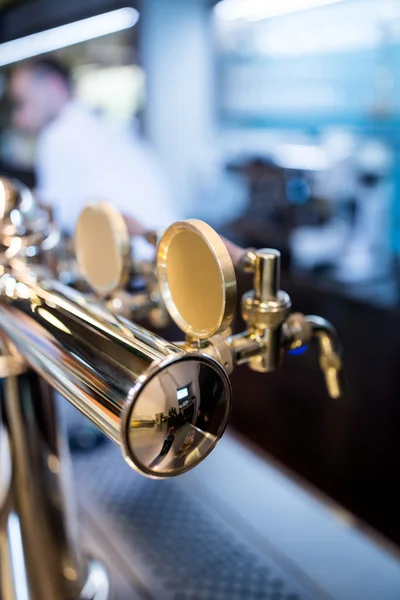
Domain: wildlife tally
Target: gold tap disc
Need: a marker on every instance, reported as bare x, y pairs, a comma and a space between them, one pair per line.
196, 278
102, 246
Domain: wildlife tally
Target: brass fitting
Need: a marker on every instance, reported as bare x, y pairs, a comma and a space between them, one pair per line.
265, 308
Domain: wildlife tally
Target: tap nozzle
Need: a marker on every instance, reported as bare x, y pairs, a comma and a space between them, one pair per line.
301, 329
330, 354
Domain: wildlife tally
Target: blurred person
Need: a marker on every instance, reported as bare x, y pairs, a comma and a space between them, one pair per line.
80, 158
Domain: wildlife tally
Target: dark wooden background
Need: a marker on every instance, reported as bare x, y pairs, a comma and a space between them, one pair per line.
349, 448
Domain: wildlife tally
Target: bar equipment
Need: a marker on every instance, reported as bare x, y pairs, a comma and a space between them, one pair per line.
165, 404
104, 258
27, 230
191, 263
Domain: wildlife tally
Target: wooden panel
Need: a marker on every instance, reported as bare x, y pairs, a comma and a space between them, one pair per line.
348, 448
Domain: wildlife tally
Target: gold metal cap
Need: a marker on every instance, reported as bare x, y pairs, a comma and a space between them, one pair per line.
102, 247
196, 278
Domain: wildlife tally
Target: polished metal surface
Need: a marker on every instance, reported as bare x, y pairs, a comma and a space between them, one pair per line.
19, 213
196, 278
26, 232
330, 353
178, 417
301, 329
267, 275
5, 466
165, 405
103, 249
191, 279
265, 309
40, 557
103, 365
271, 329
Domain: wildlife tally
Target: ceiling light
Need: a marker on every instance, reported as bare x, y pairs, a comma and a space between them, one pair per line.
67, 35
258, 10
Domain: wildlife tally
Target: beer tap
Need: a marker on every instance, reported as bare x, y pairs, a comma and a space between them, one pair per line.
165, 404
201, 283
103, 249
194, 274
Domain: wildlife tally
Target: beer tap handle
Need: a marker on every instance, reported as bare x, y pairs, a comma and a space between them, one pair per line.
265, 308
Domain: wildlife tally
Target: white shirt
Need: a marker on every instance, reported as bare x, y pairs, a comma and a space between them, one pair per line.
81, 159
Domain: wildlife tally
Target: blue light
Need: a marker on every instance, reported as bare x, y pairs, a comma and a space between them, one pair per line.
298, 351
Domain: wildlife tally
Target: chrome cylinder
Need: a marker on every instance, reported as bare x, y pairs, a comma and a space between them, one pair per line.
43, 558
165, 407
40, 556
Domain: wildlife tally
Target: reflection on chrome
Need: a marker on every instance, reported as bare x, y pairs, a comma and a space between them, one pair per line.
178, 418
